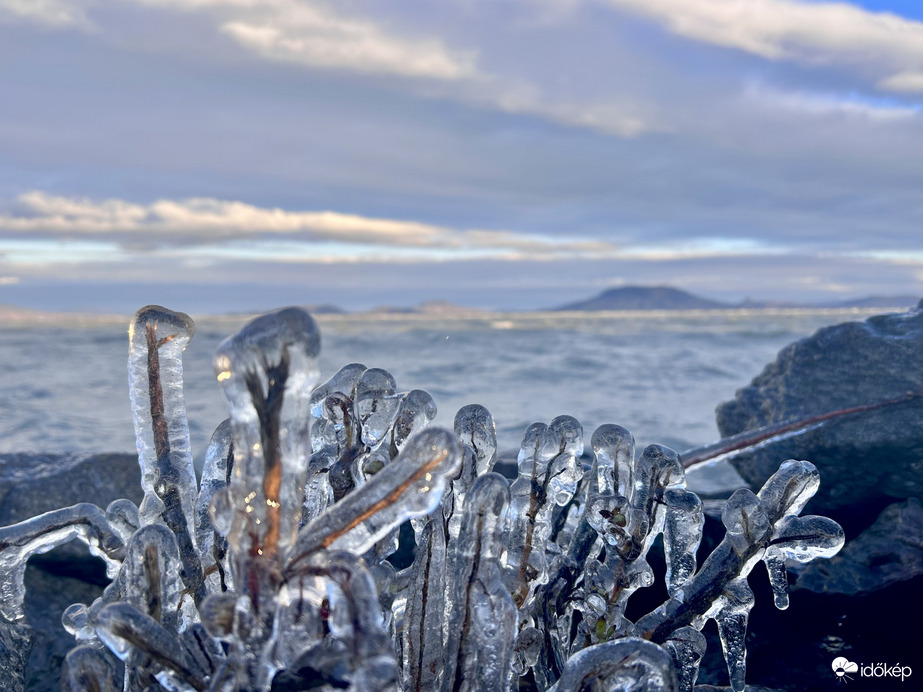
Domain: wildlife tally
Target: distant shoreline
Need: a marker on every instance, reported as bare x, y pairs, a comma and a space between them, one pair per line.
16, 317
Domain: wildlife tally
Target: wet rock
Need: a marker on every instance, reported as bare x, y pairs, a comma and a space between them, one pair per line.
871, 457
889, 551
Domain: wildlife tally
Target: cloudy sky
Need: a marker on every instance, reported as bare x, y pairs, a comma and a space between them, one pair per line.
242, 154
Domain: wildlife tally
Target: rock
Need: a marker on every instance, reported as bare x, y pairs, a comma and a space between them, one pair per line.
31, 484
872, 457
47, 596
889, 551
15, 644
43, 482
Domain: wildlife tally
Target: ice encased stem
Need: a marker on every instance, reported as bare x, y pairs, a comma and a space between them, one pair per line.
267, 371
482, 623
157, 337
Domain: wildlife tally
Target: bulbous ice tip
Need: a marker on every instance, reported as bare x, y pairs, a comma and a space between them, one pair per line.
375, 382
564, 434
490, 496
165, 323
609, 439
264, 339
788, 490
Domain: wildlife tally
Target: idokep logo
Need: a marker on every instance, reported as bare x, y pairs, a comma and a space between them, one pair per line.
842, 668
845, 670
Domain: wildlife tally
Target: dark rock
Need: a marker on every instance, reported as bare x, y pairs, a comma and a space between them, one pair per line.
31, 484
867, 457
889, 551
47, 596
43, 482
15, 644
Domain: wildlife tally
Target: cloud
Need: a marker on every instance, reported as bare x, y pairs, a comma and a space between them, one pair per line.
313, 35
819, 104
812, 33
232, 228
55, 14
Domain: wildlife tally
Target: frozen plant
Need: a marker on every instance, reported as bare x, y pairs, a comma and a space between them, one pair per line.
274, 570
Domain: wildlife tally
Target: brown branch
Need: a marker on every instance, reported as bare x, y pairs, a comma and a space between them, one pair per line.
742, 442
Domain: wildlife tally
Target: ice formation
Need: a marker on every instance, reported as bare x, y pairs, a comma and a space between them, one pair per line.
273, 571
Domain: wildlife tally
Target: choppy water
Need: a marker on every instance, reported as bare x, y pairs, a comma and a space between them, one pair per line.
64, 388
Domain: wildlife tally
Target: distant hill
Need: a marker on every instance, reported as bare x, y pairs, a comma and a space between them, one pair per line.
668, 298
876, 302
646, 298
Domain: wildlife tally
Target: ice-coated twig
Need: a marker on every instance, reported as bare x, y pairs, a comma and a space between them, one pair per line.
40, 534
776, 432
626, 664
482, 623
425, 610
267, 371
127, 632
412, 487
89, 668
216, 476
754, 523
157, 338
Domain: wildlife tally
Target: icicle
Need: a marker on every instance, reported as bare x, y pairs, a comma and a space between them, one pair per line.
416, 411
149, 577
376, 404
482, 624
686, 647
731, 611
475, 427
122, 516
682, 533
614, 450
157, 338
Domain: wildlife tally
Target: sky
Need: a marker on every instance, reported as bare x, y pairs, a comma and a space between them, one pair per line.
222, 155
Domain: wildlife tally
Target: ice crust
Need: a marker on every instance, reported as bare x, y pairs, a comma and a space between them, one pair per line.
274, 570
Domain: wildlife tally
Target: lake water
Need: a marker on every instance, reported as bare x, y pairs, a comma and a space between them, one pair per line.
63, 387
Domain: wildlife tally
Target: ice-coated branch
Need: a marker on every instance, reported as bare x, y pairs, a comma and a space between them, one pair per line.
482, 622
758, 527
548, 475
267, 371
412, 487
40, 534
157, 338
89, 668
626, 664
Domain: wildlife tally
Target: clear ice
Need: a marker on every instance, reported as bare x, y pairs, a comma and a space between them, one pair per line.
277, 569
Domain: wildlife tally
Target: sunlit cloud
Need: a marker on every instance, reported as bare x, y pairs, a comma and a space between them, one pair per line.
820, 33
314, 35
231, 228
